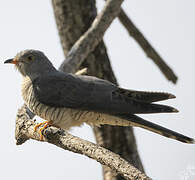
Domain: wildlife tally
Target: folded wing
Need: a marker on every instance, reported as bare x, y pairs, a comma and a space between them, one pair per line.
89, 93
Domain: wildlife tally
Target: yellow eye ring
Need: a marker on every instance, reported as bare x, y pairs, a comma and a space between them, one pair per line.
30, 57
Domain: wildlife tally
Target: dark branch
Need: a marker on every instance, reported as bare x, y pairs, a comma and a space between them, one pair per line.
147, 47
73, 19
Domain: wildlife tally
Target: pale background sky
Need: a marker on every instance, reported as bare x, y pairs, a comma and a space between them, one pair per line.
168, 25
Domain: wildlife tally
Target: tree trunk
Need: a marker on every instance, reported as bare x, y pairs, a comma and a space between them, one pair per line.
73, 18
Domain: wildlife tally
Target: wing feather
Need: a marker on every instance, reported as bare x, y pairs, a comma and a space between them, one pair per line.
89, 93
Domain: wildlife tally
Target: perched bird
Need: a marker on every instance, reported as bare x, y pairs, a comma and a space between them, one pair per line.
65, 100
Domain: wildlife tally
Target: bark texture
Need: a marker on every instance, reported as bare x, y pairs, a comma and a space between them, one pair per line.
73, 18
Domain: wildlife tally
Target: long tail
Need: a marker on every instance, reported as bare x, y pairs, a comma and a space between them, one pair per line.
139, 122
145, 108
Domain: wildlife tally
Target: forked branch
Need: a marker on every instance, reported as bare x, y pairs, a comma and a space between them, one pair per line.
92, 36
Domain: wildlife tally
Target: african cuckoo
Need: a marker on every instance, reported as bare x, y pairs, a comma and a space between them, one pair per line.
65, 100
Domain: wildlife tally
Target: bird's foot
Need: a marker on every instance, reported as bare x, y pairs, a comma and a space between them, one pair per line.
45, 125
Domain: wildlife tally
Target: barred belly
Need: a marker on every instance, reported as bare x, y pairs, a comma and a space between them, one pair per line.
65, 117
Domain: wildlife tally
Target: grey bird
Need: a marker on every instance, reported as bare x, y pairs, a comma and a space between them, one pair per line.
65, 100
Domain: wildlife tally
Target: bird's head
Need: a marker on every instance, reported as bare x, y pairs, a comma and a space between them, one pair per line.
31, 63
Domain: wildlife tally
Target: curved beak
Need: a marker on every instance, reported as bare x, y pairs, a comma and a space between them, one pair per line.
11, 61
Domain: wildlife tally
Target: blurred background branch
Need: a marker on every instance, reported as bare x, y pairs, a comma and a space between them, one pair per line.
135, 33
73, 19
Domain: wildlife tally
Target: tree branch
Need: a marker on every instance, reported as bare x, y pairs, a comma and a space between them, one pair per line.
91, 38
25, 130
73, 18
146, 46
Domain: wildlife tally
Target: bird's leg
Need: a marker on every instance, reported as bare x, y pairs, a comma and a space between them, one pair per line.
46, 124
38, 125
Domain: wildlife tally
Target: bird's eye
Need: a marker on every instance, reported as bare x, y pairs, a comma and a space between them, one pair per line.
30, 57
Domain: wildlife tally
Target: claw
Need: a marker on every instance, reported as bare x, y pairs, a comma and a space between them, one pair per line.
46, 124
